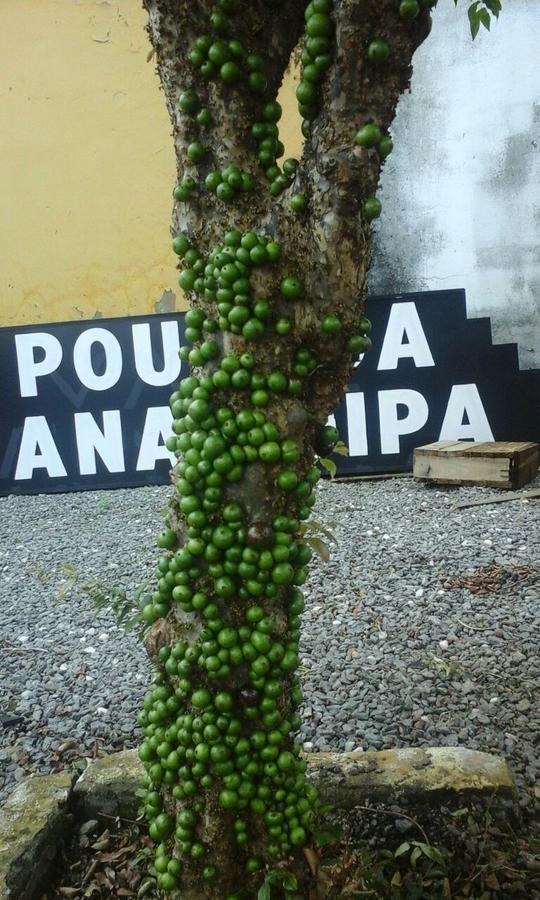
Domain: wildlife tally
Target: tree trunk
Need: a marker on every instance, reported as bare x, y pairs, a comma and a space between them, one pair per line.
324, 251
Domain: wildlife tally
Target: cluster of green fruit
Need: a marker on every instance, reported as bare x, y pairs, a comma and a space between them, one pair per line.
228, 59
225, 280
228, 183
315, 59
220, 713
234, 575
265, 133
229, 572
370, 135
194, 739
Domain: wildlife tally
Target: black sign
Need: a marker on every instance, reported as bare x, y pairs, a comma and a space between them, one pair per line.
84, 405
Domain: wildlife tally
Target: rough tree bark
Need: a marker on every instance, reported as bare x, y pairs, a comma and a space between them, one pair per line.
327, 246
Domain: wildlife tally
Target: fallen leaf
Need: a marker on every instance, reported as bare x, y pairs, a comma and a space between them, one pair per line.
312, 859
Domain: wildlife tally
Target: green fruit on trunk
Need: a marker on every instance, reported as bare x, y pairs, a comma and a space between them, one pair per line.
409, 9
368, 136
372, 208
291, 287
378, 51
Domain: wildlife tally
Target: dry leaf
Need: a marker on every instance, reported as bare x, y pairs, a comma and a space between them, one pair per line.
312, 859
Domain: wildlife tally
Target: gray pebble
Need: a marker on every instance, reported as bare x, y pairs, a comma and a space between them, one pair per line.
411, 657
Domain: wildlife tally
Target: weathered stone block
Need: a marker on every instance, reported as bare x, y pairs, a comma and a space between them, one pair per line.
108, 785
414, 775
33, 820
38, 812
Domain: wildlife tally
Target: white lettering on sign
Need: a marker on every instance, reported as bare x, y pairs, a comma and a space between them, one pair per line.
157, 428
38, 451
356, 424
142, 350
82, 359
464, 401
393, 427
107, 443
29, 369
404, 322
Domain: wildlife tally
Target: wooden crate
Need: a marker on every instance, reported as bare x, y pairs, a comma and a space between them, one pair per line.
503, 464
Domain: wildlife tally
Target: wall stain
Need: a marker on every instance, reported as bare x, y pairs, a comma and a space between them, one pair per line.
512, 171
400, 253
166, 303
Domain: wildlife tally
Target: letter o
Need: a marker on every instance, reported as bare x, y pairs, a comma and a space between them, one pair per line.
82, 359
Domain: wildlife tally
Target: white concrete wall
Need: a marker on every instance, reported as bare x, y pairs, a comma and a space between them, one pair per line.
461, 191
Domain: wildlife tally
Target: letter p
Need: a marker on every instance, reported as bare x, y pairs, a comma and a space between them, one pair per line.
29, 368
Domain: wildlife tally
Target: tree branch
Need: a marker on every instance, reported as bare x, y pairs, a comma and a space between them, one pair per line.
357, 91
174, 27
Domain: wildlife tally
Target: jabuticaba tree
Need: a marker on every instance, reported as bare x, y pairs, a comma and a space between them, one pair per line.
273, 257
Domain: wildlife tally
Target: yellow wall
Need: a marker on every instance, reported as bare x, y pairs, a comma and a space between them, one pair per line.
86, 164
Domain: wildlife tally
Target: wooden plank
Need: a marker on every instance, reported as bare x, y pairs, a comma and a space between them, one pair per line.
463, 470
524, 473
533, 494
440, 448
475, 448
382, 477
505, 464
500, 448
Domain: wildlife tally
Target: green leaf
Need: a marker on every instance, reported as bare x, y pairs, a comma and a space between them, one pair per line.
329, 465
459, 813
485, 18
315, 525
321, 549
323, 838
494, 6
403, 848
327, 808
140, 590
415, 856
264, 891
130, 624
474, 19
475, 26
289, 881
431, 853
341, 449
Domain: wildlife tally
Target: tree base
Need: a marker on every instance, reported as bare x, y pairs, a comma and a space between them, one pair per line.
43, 810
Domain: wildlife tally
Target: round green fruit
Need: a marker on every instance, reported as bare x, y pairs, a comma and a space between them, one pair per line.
189, 102
196, 151
385, 146
298, 202
230, 72
368, 136
358, 343
372, 208
409, 9
319, 25
378, 51
331, 325
291, 287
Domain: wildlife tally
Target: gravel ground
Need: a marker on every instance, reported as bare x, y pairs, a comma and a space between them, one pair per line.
405, 641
